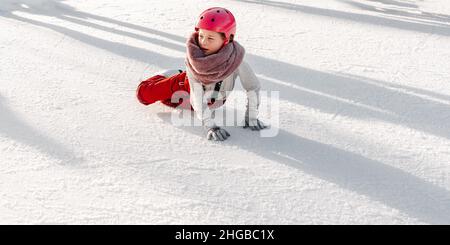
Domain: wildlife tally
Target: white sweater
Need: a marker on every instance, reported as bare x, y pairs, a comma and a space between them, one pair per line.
249, 82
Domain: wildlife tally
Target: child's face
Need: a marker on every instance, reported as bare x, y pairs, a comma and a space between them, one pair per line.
210, 41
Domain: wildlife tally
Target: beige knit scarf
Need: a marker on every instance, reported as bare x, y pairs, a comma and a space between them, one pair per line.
215, 67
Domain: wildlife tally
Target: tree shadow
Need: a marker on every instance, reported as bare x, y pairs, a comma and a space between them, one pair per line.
415, 90
15, 128
356, 97
126, 51
64, 12
396, 3
58, 9
378, 181
156, 41
422, 16
424, 27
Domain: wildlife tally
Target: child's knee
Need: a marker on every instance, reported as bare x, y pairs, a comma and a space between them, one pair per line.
144, 90
140, 93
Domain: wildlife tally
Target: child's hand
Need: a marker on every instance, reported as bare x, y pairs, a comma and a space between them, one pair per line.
217, 134
254, 124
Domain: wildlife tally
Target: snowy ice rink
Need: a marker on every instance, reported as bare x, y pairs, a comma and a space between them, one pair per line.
364, 111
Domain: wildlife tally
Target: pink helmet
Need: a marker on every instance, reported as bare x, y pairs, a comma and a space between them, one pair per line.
219, 20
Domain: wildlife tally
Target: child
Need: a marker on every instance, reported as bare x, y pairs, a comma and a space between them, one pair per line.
214, 61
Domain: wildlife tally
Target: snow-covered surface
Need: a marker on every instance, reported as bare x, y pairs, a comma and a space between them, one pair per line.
364, 135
